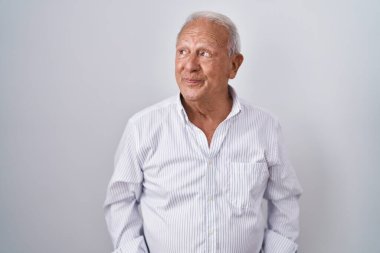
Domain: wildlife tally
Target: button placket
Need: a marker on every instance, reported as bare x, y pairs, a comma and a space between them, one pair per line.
211, 205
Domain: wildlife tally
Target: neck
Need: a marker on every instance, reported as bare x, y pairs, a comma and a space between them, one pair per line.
210, 111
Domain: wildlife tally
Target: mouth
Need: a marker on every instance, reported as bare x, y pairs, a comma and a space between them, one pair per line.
192, 81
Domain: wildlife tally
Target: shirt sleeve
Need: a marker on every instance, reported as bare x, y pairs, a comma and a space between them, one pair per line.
122, 214
283, 192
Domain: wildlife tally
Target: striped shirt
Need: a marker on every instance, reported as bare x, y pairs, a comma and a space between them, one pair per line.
173, 193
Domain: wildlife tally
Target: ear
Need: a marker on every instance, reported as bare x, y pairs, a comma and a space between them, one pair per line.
236, 61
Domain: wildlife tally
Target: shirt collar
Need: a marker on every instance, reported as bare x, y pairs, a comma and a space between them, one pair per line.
236, 106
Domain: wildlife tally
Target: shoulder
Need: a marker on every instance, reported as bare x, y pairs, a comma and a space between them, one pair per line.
155, 112
258, 114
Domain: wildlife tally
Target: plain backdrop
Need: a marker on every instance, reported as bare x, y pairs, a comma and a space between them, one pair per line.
73, 72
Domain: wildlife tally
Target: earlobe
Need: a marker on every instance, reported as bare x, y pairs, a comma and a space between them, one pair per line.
236, 63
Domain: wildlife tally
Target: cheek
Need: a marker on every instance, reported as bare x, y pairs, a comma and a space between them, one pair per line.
177, 71
178, 66
227, 70
217, 71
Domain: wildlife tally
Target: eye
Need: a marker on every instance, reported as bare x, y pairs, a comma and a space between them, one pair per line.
182, 52
204, 53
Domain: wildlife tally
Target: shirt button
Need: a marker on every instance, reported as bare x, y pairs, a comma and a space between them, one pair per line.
211, 232
210, 198
209, 163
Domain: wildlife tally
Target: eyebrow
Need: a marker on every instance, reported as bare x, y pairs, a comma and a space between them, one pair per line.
205, 44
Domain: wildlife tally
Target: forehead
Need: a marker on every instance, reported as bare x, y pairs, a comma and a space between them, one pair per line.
202, 30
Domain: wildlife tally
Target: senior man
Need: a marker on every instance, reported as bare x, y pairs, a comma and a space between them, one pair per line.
191, 172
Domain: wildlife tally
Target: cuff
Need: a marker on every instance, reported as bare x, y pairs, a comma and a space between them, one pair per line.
136, 245
276, 243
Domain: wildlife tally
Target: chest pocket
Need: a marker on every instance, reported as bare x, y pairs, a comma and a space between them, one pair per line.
246, 183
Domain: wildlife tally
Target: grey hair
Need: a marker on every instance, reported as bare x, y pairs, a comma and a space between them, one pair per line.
234, 38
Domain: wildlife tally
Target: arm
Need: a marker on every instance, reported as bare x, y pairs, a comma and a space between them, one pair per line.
283, 191
123, 194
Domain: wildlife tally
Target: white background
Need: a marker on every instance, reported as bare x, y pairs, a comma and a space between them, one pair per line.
73, 72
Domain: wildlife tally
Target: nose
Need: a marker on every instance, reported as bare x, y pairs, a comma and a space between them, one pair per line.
192, 63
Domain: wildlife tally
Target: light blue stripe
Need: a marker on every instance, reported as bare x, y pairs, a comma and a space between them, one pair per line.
171, 192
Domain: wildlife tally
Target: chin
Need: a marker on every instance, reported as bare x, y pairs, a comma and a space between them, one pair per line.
191, 93
190, 97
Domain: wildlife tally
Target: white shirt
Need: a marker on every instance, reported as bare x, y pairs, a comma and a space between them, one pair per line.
172, 193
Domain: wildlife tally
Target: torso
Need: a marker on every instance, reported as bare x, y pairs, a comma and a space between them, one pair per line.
207, 129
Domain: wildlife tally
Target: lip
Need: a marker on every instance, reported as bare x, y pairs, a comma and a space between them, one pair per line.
192, 81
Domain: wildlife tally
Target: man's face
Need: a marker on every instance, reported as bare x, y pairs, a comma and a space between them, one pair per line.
203, 66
